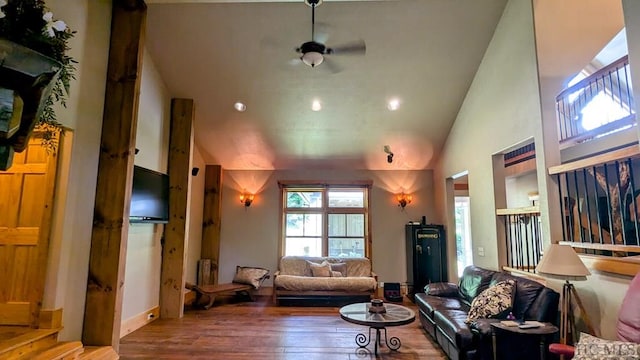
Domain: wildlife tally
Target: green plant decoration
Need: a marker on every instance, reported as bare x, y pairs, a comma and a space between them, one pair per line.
30, 24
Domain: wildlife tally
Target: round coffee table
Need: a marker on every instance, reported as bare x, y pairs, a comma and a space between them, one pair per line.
395, 315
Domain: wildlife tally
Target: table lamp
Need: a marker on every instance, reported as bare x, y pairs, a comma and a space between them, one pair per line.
562, 262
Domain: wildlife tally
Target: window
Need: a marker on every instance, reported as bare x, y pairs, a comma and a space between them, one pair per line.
327, 220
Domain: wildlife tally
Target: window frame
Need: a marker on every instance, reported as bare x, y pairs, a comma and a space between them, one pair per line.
325, 210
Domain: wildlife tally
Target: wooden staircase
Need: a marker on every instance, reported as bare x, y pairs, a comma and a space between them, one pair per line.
43, 344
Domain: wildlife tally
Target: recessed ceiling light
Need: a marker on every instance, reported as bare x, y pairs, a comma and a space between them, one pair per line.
316, 106
240, 106
393, 104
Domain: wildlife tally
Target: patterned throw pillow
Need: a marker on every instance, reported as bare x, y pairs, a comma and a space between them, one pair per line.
340, 267
592, 348
492, 301
250, 275
320, 270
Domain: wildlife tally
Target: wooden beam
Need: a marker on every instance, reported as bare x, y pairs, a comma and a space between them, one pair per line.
173, 250
629, 266
211, 216
631, 151
102, 316
529, 210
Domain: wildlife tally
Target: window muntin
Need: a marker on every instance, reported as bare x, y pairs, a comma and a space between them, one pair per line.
328, 221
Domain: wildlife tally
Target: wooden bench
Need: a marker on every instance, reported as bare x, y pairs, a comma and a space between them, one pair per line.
212, 290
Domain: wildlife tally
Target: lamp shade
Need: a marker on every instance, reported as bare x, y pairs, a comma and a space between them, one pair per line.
562, 262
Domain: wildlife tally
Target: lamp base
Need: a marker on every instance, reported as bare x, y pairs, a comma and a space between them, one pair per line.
567, 317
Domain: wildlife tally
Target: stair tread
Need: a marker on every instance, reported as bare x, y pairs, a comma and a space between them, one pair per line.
60, 350
26, 338
99, 353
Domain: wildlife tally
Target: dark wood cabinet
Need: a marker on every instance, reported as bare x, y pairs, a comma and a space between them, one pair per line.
426, 256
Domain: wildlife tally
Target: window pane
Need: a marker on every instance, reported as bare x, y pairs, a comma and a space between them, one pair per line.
304, 199
303, 225
355, 225
337, 225
342, 247
303, 246
346, 198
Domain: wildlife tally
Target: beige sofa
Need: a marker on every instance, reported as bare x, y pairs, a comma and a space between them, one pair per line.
294, 283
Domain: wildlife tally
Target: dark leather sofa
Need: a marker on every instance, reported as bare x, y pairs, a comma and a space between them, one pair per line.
443, 309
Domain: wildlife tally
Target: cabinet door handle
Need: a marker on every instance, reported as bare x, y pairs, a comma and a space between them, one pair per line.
429, 250
419, 249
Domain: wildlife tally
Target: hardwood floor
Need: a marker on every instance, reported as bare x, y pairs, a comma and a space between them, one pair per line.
261, 330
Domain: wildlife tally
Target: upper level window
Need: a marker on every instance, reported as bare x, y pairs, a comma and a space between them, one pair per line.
325, 220
598, 100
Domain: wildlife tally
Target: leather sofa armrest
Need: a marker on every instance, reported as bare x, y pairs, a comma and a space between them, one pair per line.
442, 289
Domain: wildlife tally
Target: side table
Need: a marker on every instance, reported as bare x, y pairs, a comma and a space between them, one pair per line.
541, 332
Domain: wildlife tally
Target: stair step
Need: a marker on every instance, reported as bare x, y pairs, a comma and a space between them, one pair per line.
69, 350
25, 345
99, 353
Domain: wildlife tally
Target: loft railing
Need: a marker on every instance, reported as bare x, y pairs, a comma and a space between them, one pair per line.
523, 243
600, 104
600, 199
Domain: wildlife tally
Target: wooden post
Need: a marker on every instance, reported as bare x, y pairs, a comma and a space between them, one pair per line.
105, 282
211, 217
173, 250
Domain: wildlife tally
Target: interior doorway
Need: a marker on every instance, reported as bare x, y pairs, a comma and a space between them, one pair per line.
462, 217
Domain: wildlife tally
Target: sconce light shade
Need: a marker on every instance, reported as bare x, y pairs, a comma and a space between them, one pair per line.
404, 199
246, 199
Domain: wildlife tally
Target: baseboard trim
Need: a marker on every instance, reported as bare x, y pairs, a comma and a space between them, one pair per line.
50, 319
136, 322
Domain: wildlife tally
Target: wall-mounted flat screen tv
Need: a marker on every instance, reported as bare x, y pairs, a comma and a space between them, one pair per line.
149, 197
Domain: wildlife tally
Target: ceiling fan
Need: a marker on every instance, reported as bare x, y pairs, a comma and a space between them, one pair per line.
313, 52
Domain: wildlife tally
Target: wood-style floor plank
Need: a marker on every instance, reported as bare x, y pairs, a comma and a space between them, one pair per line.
260, 330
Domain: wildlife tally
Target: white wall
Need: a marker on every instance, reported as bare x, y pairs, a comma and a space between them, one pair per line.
251, 237
501, 109
144, 252
518, 188
194, 232
71, 233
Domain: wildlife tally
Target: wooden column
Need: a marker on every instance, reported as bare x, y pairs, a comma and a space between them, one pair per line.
115, 170
211, 216
173, 250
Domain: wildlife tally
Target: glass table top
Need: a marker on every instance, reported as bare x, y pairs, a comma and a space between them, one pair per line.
359, 314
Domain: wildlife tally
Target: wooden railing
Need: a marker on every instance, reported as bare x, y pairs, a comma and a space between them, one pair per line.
523, 241
605, 96
600, 199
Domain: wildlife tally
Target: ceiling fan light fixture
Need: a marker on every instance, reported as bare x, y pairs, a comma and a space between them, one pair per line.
312, 58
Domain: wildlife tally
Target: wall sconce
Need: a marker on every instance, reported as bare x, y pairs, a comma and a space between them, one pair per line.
246, 199
403, 200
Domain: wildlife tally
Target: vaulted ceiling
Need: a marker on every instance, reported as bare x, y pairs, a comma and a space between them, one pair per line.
424, 53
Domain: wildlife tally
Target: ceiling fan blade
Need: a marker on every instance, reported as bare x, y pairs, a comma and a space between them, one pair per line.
321, 33
353, 48
330, 65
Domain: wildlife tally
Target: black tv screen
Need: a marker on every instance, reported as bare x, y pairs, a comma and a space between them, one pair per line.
149, 197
